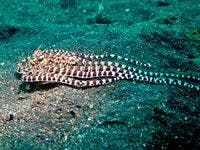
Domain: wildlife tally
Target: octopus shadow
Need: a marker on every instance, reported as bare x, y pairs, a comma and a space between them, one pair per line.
36, 86
31, 87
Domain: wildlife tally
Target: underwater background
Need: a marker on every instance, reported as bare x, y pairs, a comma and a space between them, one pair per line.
123, 115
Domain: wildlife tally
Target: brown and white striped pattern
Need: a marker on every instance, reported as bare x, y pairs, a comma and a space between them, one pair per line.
87, 70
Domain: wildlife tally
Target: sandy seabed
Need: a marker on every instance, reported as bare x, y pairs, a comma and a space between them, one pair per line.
122, 115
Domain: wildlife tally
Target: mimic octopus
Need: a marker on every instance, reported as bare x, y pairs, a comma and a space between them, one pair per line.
88, 70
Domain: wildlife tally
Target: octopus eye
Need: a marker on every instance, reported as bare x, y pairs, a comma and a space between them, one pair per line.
23, 60
40, 58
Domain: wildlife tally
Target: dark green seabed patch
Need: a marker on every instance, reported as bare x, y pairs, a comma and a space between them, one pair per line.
122, 115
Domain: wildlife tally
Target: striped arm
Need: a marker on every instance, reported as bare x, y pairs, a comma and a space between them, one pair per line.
164, 81
91, 56
52, 78
112, 56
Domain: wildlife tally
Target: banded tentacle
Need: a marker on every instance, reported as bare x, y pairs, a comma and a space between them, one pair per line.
107, 56
79, 82
155, 74
125, 69
133, 69
53, 78
96, 57
115, 70
113, 56
90, 71
164, 75
163, 78
83, 70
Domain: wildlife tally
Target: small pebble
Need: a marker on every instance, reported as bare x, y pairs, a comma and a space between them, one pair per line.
127, 10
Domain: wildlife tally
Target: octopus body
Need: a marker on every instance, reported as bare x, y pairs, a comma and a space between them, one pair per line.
88, 70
